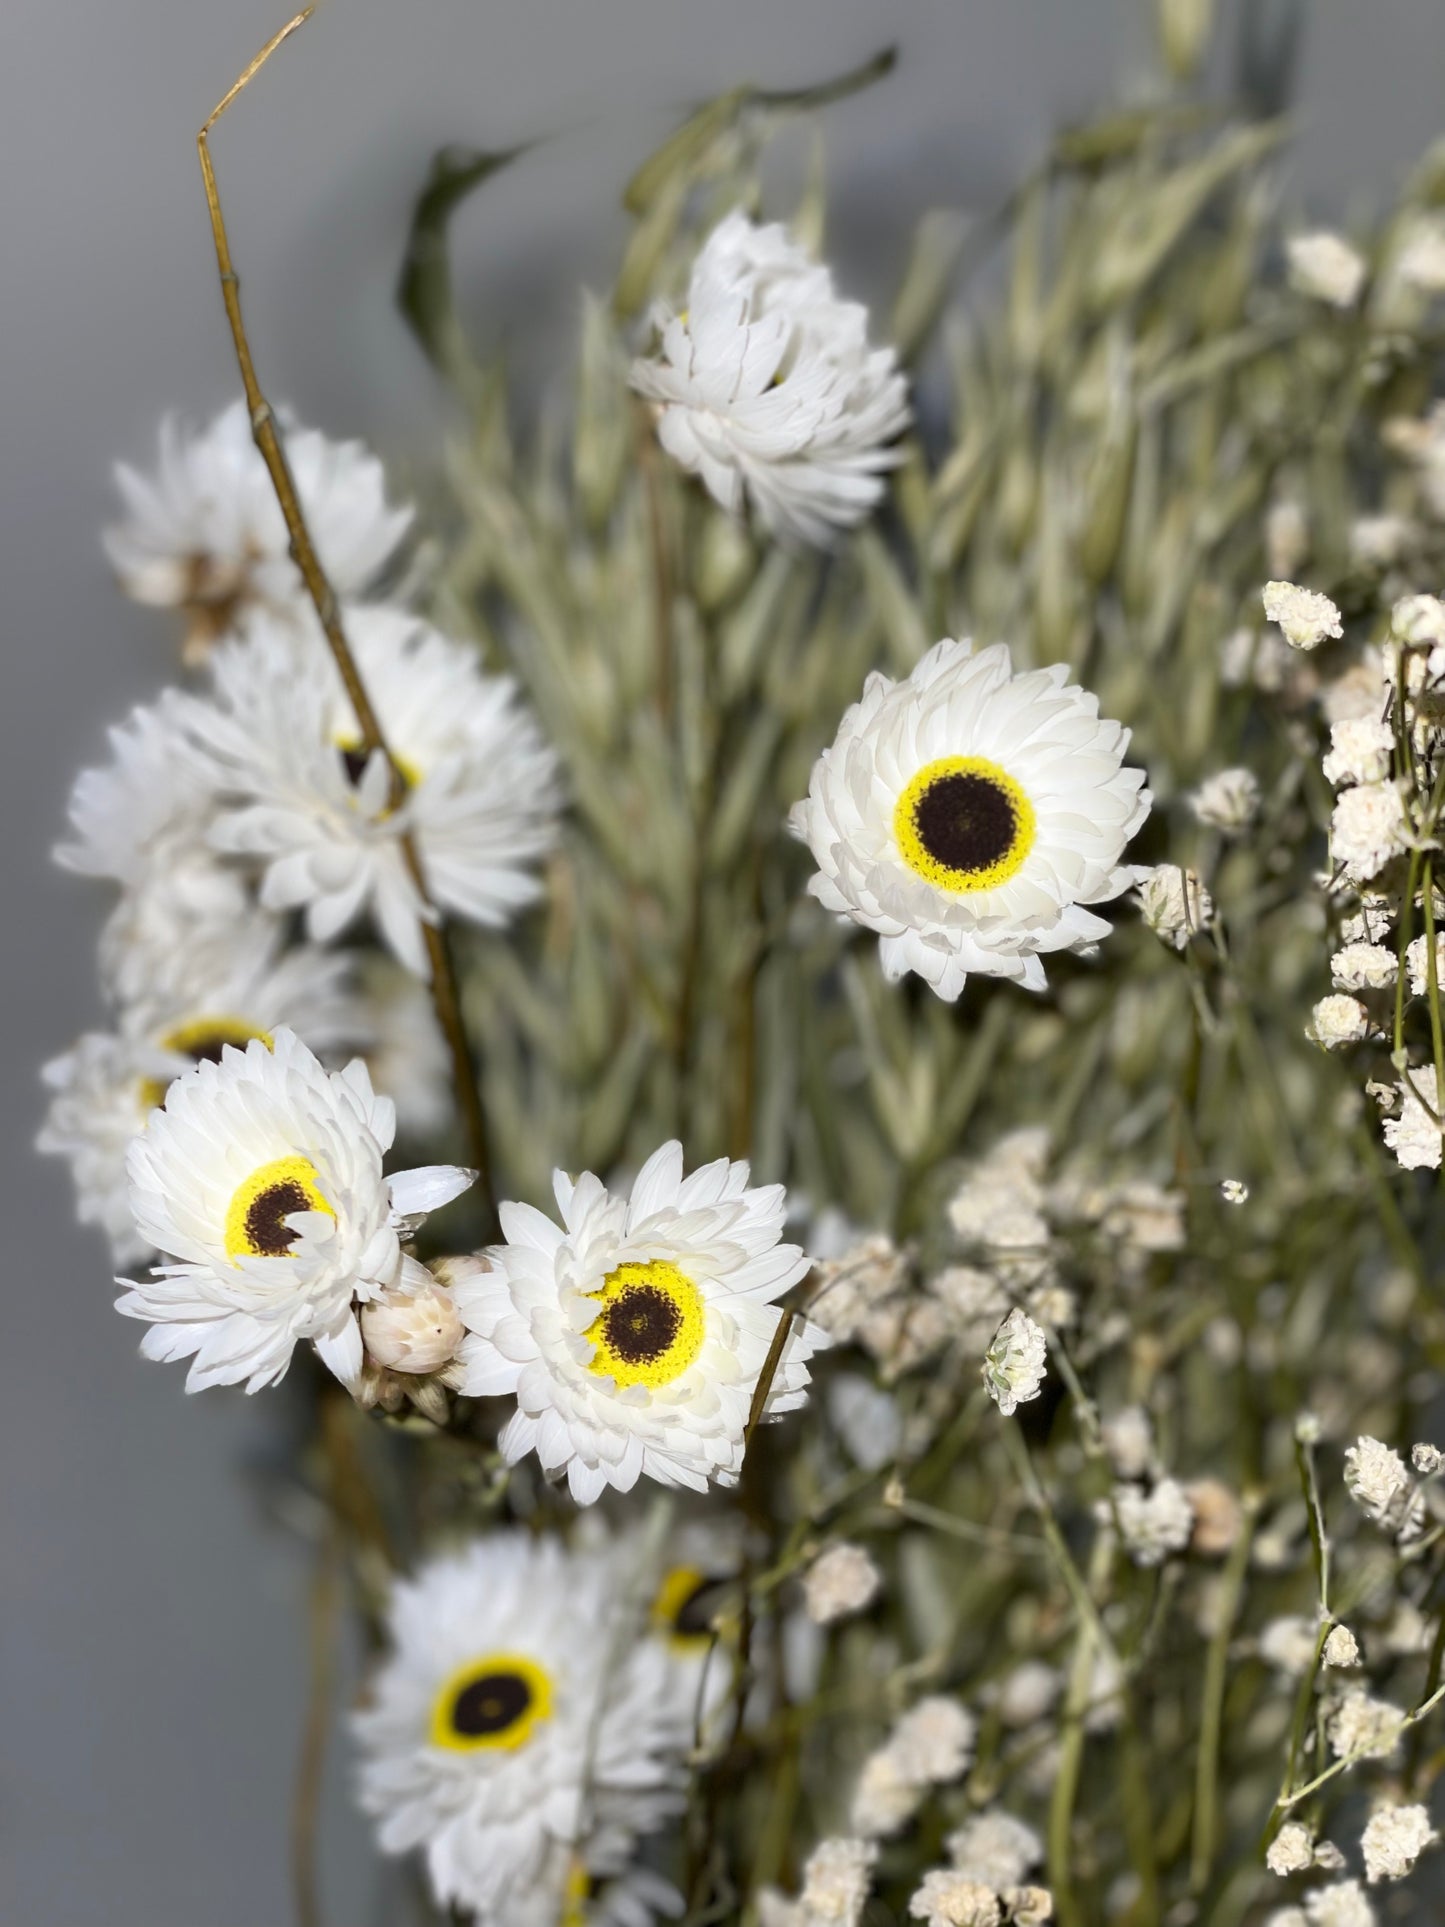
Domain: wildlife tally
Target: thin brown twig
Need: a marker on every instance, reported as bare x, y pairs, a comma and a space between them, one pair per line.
444, 990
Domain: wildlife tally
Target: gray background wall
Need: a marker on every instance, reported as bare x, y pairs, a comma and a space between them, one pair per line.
152, 1660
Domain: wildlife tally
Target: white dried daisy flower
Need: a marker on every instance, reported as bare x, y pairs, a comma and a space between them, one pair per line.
1292, 1850
1394, 1839
1360, 751
1288, 1644
1228, 800
1155, 1523
950, 1899
1364, 1728
204, 534
261, 1181
995, 1848
1337, 1021
306, 802
517, 1722
1324, 266
1379, 1482
841, 1581
632, 1336
1016, 1362
1414, 1136
1174, 903
766, 387
968, 815
1368, 829
1364, 966
1304, 617
107, 1086
1341, 1648
406, 1052
1343, 1905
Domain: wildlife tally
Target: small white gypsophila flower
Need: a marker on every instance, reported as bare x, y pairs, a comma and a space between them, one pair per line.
1343, 1905
1324, 266
1394, 1839
518, 1714
766, 387
1286, 535
950, 1899
929, 1746
841, 1581
1304, 617
1143, 1216
1228, 800
1341, 1648
1028, 1906
1292, 1850
1378, 1481
1174, 903
1153, 1524
1379, 541
1414, 1136
1016, 1362
969, 815
852, 1288
866, 1418
1368, 829
261, 1181
1364, 966
1421, 260
1336, 1021
1028, 1692
837, 1876
1426, 1459
1371, 922
632, 1336
1329, 1857
1417, 963
995, 1848
305, 801
205, 533
1420, 621
1423, 443
1234, 1190
1364, 1728
1288, 1644
107, 1086
1360, 751
1128, 1437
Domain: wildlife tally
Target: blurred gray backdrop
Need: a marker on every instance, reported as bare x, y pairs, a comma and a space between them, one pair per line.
152, 1616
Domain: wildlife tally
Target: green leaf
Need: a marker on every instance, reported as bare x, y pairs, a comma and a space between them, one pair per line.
424, 286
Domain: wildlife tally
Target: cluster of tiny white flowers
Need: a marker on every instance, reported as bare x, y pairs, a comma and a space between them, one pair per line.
931, 1745
1015, 1363
840, 1581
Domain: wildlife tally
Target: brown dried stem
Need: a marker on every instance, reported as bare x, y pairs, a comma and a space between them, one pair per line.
445, 995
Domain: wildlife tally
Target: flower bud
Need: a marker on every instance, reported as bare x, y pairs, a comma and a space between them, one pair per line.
413, 1332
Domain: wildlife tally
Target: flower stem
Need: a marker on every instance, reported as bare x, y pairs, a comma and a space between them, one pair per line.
445, 995
1211, 1722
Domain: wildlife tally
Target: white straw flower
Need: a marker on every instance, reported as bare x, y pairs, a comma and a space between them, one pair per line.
1174, 903
1305, 617
1228, 801
1394, 1839
1326, 267
204, 534
261, 1180
841, 1581
101, 1101
519, 1721
633, 1335
1016, 1362
305, 800
766, 386
1414, 1136
968, 815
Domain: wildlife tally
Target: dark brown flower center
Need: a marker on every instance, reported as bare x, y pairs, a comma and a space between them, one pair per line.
966, 821
266, 1229
641, 1324
490, 1704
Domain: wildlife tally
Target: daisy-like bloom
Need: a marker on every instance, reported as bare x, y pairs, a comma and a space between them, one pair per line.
205, 535
1394, 1839
633, 1335
305, 800
1228, 800
261, 1181
107, 1086
1325, 267
521, 1731
406, 1053
1015, 1363
1414, 1136
765, 386
1305, 617
969, 814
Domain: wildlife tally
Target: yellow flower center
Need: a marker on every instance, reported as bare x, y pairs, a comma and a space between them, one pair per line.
576, 1894
650, 1327
685, 1603
201, 1038
355, 755
495, 1701
964, 824
256, 1216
